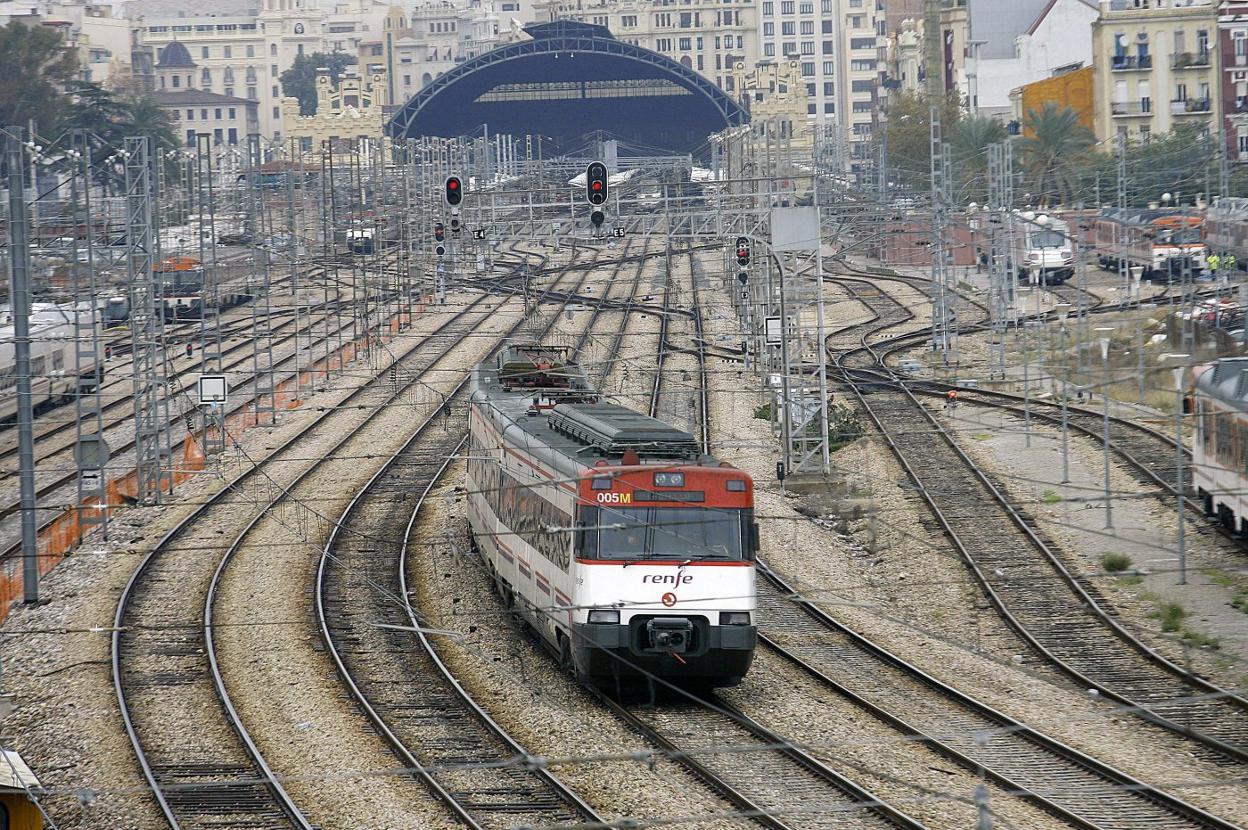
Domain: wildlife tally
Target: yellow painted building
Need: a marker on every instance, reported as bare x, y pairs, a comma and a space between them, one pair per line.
776, 97
351, 110
1071, 89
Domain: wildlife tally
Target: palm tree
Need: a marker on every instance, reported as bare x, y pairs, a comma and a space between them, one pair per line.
1056, 141
971, 137
143, 116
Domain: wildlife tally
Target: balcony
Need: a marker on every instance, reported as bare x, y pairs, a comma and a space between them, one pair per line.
1131, 109
1191, 106
1190, 60
1131, 63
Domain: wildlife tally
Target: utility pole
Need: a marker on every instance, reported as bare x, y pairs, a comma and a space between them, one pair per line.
261, 316
19, 260
88, 409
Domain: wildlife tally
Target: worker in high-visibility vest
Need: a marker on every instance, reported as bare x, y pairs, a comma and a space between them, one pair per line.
1214, 262
1228, 262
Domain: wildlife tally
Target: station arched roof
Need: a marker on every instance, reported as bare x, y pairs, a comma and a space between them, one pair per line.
572, 79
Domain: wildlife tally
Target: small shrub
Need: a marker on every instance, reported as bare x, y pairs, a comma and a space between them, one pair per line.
1201, 640
1049, 497
1171, 615
763, 413
982, 436
1130, 580
1240, 601
1115, 562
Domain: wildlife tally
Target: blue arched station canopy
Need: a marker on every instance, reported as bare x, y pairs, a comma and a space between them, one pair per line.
571, 80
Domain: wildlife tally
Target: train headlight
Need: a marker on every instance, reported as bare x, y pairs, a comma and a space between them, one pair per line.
734, 617
604, 616
669, 479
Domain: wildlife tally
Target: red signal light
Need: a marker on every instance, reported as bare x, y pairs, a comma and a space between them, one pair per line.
453, 191
596, 183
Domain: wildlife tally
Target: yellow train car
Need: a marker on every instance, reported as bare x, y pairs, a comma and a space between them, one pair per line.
17, 783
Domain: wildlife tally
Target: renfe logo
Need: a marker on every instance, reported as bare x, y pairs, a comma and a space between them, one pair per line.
615, 498
667, 579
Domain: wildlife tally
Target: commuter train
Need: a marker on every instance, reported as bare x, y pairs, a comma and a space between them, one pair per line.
1045, 250
629, 551
52, 361
1217, 397
1165, 242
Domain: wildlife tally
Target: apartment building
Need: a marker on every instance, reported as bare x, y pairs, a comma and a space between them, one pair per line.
839, 47
238, 54
1233, 69
417, 46
710, 37
1155, 67
227, 118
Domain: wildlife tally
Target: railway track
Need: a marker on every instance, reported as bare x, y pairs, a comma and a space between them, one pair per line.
164, 666
1059, 615
1071, 786
392, 670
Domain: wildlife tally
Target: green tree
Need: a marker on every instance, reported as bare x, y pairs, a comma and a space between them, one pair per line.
970, 139
1053, 151
35, 65
300, 80
108, 119
908, 127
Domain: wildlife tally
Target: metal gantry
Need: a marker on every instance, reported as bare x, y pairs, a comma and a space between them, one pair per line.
146, 301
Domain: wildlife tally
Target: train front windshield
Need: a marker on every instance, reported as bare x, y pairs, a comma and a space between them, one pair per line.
1181, 236
640, 533
1048, 239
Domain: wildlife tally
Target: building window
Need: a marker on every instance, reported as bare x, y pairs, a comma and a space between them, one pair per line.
190, 115
829, 108
788, 28
808, 47
273, 50
629, 21
808, 69
251, 74
203, 52
252, 94
232, 135
177, 81
227, 52
827, 47
233, 113
217, 113
769, 50
828, 89
685, 44
205, 77
786, 6
277, 112
829, 68
808, 27
251, 51
190, 138
276, 93
812, 109
768, 8
273, 70
203, 114
807, 7
861, 86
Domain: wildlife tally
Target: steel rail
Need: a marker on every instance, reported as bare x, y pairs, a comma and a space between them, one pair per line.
121, 625
1051, 765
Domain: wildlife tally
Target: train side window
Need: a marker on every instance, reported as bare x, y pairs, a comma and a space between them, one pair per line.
58, 361
38, 366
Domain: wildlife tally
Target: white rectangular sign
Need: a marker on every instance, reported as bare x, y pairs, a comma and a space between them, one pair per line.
795, 229
773, 333
212, 389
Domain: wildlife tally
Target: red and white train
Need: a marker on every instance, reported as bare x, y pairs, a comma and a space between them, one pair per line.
1165, 242
629, 551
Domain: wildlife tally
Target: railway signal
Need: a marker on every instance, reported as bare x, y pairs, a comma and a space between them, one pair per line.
596, 191
743, 251
454, 191
439, 232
